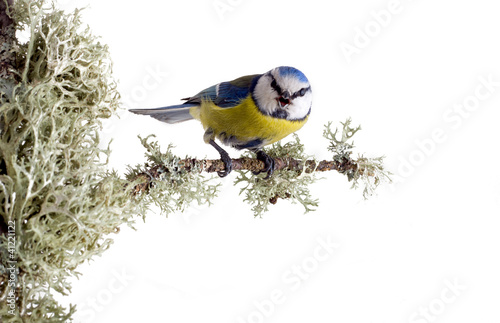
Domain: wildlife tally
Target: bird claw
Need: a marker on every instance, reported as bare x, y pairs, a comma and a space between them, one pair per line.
224, 156
268, 164
228, 166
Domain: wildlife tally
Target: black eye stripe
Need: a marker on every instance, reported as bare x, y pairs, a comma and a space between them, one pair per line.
275, 85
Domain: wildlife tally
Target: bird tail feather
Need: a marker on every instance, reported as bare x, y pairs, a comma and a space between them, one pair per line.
170, 114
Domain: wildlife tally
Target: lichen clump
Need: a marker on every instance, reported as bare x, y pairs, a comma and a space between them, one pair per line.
370, 172
57, 200
293, 184
173, 187
284, 184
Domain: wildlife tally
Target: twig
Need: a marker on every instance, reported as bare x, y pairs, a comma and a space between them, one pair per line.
216, 165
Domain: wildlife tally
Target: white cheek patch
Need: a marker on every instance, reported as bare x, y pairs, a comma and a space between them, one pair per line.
265, 96
300, 106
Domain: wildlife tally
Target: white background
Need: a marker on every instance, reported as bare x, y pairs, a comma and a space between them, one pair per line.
424, 250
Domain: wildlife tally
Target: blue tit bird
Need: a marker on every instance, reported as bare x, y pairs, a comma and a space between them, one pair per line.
249, 112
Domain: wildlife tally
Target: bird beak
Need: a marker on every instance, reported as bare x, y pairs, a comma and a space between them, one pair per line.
284, 100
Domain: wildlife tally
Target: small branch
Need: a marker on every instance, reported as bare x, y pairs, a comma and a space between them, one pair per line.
216, 165
165, 174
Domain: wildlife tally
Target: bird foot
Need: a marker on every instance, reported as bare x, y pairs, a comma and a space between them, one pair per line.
224, 156
268, 164
228, 164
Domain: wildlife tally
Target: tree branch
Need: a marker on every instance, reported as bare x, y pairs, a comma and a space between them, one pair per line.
153, 173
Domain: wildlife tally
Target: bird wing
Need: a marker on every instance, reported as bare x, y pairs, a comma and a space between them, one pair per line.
227, 94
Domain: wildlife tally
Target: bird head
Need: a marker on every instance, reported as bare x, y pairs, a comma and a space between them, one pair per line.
283, 92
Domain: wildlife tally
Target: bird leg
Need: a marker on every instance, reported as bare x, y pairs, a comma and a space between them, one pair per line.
268, 163
224, 156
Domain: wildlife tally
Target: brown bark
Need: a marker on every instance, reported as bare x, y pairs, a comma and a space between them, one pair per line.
216, 165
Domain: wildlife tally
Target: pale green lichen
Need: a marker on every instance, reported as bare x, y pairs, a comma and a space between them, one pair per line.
369, 171
55, 188
173, 188
341, 148
294, 184
285, 184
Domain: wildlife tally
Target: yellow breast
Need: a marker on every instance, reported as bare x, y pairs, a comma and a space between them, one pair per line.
244, 121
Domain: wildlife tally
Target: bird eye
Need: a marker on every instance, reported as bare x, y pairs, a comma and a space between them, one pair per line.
302, 92
273, 84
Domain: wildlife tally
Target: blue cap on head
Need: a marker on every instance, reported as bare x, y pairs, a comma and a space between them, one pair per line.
288, 70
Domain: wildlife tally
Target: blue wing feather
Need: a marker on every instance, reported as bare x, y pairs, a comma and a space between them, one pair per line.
207, 94
227, 94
